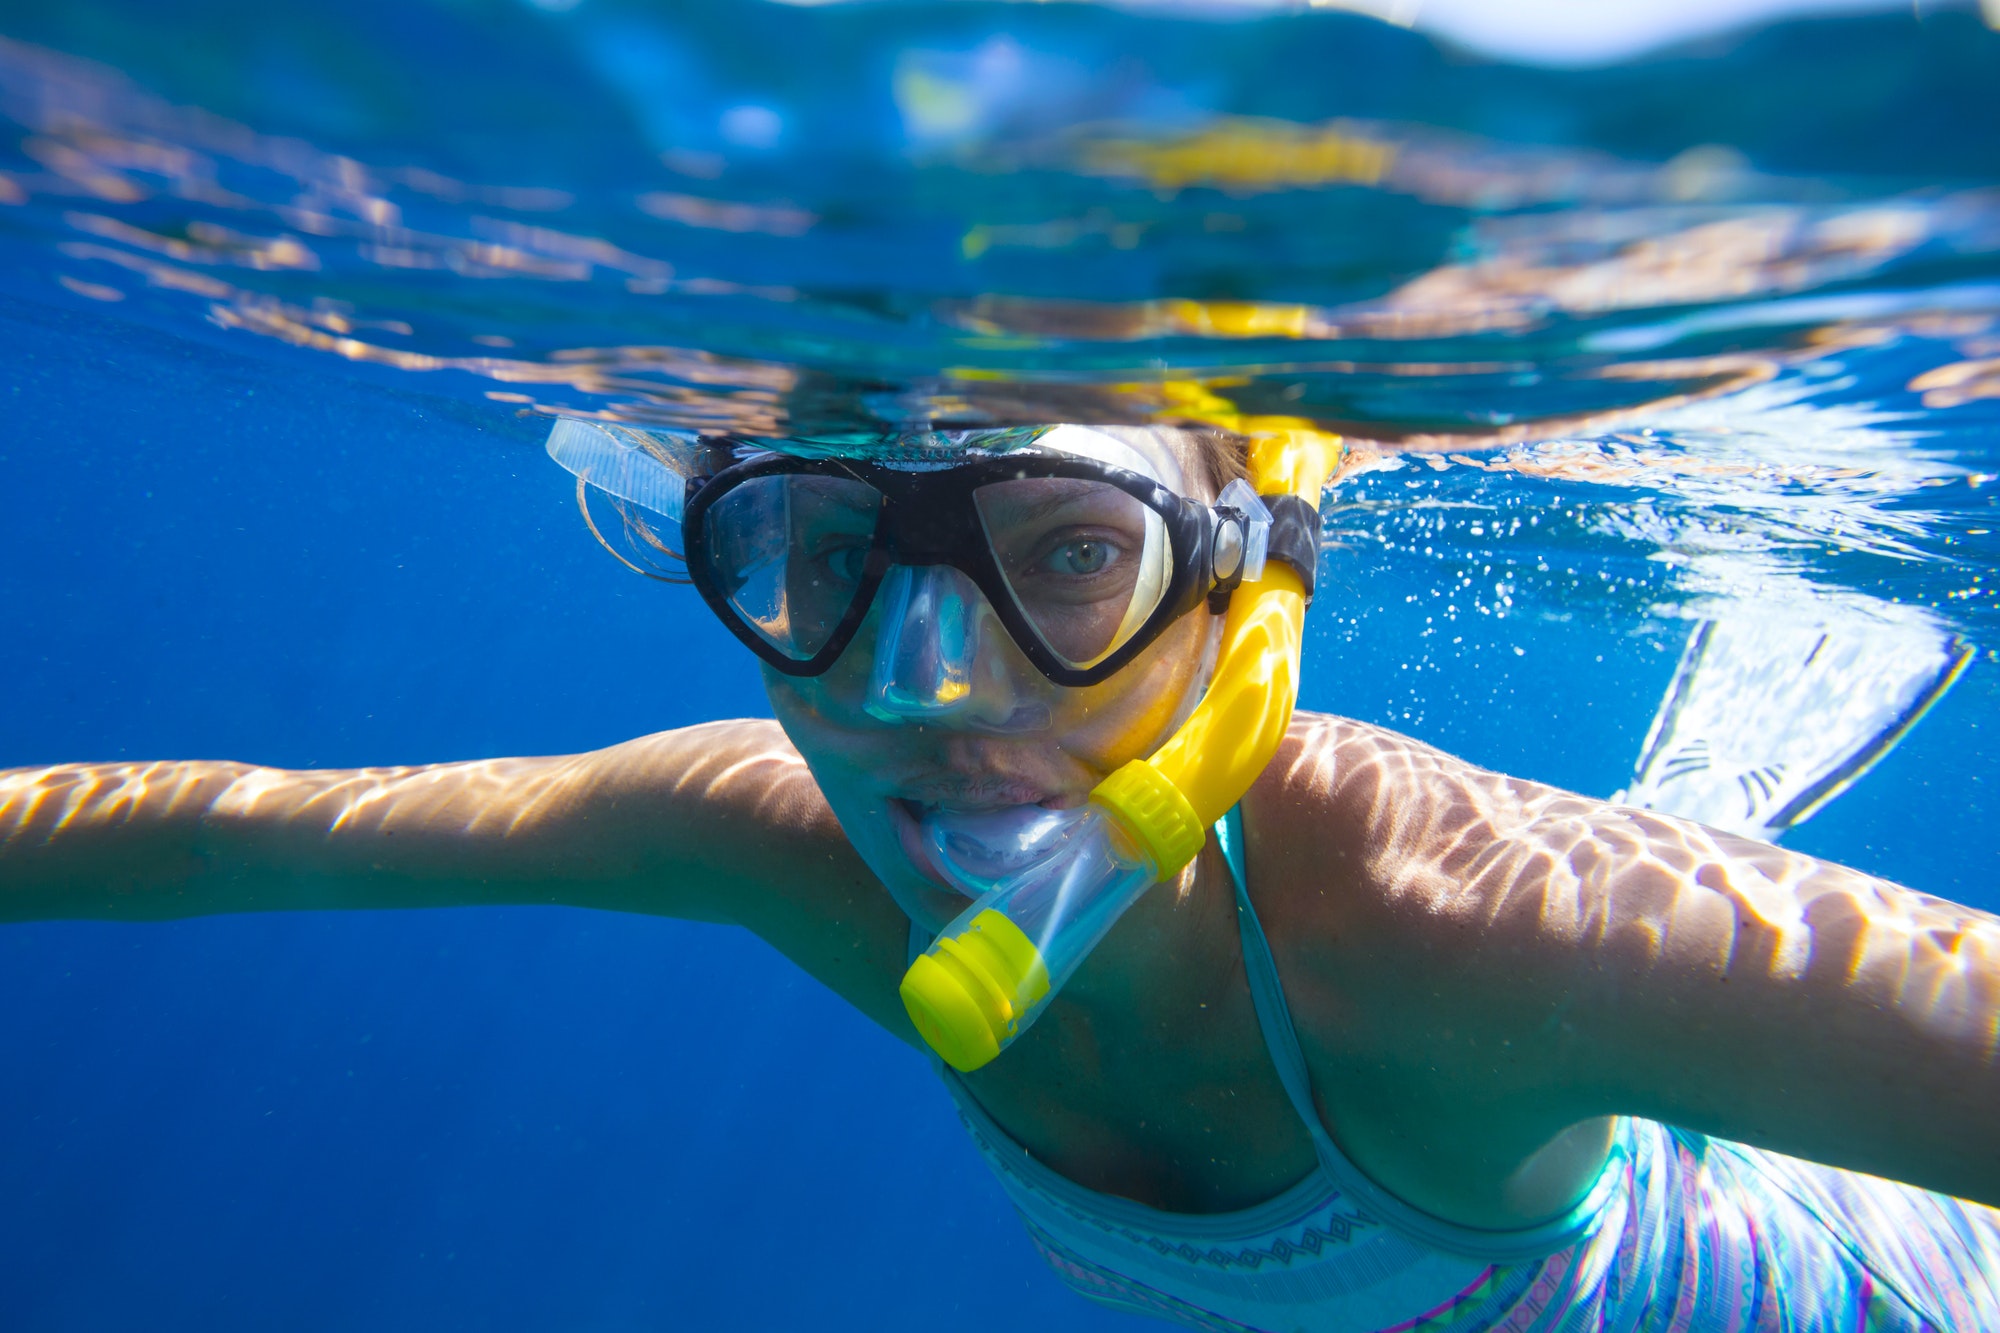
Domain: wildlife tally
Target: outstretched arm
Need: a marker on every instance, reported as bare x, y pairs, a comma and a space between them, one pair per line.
1493, 963
720, 822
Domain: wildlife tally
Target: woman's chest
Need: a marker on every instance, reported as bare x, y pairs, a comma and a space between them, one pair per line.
1181, 1111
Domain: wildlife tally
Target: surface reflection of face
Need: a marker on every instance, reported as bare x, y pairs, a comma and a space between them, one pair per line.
1079, 564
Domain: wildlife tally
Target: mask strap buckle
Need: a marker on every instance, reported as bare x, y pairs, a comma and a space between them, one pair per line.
1239, 542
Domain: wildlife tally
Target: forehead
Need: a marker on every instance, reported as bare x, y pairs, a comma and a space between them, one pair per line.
1141, 451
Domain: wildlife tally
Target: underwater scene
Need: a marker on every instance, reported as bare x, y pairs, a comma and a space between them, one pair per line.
1669, 390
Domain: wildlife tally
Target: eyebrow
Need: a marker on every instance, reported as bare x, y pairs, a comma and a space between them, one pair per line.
1053, 502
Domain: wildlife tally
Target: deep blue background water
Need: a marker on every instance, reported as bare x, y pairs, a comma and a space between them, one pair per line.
524, 1119
217, 546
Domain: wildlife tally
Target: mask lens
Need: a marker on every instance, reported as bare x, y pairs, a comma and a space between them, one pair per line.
789, 553
1086, 563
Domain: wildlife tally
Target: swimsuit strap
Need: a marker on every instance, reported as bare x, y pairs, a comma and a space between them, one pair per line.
1281, 1038
1274, 1016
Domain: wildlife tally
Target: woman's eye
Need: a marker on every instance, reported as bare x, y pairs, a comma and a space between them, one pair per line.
845, 563
1079, 559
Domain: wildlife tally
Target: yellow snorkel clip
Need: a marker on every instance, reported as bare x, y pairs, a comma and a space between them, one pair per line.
991, 971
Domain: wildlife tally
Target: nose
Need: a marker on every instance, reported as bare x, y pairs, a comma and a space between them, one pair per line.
940, 656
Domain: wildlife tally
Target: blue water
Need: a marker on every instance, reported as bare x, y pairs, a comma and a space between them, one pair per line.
527, 1119
229, 533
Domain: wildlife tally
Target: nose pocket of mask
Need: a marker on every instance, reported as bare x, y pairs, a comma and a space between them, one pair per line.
928, 641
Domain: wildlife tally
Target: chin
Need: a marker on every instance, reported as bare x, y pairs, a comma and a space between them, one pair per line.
930, 906
885, 837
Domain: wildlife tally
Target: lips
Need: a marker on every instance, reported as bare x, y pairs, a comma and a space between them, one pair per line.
974, 793
915, 847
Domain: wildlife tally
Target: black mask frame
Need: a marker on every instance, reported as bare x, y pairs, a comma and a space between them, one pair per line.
928, 517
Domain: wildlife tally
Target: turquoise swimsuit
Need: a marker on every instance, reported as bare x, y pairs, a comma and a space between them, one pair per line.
1679, 1232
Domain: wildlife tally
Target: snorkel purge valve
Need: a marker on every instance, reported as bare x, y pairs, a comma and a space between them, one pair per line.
992, 971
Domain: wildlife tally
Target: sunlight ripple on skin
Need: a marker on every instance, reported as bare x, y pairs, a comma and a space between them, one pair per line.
1646, 889
149, 818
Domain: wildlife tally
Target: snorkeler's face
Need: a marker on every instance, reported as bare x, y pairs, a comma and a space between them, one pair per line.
1016, 739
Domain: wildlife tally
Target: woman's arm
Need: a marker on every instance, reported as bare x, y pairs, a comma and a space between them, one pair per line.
1495, 964
1793, 1004
718, 823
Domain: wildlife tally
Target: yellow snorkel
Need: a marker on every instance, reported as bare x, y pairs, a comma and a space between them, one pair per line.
993, 969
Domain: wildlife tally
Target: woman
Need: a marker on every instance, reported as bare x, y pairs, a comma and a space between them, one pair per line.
1395, 1049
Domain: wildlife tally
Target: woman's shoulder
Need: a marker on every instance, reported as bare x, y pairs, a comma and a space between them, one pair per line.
1358, 836
1355, 827
1353, 790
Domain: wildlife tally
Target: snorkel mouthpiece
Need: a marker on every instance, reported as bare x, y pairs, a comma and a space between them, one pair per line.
988, 976
993, 970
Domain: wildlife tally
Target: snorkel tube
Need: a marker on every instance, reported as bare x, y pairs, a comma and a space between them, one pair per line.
1047, 903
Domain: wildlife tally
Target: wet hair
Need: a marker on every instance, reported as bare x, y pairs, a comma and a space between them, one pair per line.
650, 554
1211, 457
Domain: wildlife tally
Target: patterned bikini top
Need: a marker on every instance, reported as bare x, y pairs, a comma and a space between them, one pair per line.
1678, 1232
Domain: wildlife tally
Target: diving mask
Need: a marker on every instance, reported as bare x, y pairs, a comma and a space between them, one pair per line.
1081, 562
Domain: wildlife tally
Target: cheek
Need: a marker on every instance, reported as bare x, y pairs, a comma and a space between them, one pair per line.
1133, 713
837, 763
815, 729
1103, 726
845, 765
829, 703
845, 750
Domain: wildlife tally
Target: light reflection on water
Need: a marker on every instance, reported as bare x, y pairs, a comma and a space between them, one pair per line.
1722, 379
